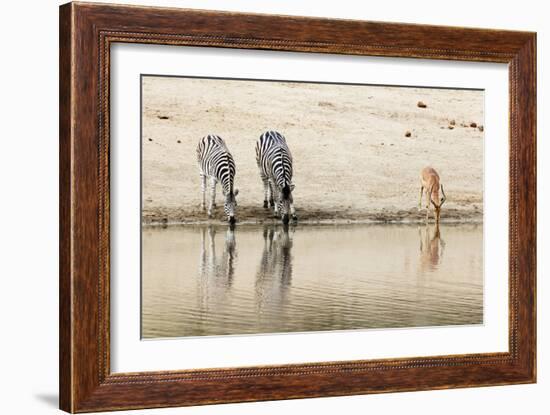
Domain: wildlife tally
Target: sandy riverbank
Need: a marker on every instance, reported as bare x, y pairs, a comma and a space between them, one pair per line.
352, 158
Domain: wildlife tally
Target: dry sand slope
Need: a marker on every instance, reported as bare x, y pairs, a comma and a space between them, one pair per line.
352, 159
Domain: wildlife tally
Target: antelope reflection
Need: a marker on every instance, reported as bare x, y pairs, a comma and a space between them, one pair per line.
431, 248
274, 275
216, 271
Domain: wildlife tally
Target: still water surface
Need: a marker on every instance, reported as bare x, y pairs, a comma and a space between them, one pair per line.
208, 280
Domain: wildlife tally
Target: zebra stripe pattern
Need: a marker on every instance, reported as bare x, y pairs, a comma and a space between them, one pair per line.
216, 164
275, 164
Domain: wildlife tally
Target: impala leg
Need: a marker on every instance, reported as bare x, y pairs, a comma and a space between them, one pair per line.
420, 198
427, 204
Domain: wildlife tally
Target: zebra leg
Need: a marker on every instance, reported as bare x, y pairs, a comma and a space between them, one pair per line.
265, 181
203, 189
271, 188
293, 211
214, 181
275, 194
212, 196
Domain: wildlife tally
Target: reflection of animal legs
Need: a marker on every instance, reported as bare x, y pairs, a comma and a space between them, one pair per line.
274, 273
229, 255
283, 243
230, 239
269, 234
437, 235
202, 265
431, 248
428, 240
211, 247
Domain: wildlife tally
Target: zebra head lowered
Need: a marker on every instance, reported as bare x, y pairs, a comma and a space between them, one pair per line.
285, 203
230, 205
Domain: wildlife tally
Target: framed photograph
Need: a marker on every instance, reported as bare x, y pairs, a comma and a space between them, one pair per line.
258, 207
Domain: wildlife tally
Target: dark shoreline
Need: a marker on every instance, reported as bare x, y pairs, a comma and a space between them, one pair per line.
253, 215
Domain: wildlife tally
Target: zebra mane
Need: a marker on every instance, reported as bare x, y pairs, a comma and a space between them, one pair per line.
227, 157
281, 154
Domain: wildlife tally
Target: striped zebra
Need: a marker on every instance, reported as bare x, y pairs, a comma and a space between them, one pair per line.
216, 164
275, 164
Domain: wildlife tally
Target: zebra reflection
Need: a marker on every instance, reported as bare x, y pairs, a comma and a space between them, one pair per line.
274, 275
216, 271
431, 248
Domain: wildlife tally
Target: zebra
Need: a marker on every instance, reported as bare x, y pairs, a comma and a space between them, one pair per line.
216, 163
275, 164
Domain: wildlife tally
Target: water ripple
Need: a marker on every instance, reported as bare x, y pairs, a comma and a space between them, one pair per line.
212, 280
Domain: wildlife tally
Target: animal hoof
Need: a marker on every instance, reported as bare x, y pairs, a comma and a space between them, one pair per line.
265, 204
271, 203
285, 219
294, 218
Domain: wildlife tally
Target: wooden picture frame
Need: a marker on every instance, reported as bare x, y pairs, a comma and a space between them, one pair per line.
86, 33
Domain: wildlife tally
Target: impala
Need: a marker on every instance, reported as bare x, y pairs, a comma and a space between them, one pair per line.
429, 181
